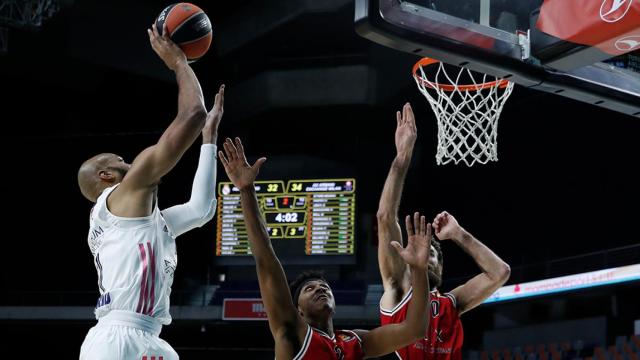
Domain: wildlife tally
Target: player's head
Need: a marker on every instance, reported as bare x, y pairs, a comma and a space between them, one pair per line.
99, 173
434, 271
312, 295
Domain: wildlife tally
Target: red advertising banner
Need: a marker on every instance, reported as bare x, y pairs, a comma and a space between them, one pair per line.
612, 26
243, 309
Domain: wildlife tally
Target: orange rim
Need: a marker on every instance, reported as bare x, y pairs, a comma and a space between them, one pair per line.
502, 83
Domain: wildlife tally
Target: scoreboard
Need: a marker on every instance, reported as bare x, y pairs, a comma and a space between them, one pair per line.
303, 217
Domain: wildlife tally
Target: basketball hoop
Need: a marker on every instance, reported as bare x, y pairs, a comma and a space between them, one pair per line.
467, 113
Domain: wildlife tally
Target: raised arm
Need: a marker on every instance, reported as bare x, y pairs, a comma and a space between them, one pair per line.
495, 272
393, 270
388, 338
155, 161
287, 327
202, 204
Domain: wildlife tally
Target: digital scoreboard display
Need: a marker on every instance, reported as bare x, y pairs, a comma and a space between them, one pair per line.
305, 218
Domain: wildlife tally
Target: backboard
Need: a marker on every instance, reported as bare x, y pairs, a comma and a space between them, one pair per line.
588, 51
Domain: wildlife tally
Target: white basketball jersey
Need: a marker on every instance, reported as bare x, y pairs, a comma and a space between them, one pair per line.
135, 259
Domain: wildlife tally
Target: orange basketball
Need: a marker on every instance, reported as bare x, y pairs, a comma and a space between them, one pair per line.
189, 27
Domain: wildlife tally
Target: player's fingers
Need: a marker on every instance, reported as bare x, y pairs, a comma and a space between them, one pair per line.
154, 30
158, 35
405, 113
216, 101
229, 149
416, 222
408, 225
152, 41
412, 118
258, 164
154, 45
165, 32
239, 147
233, 148
429, 234
223, 159
423, 227
226, 148
220, 96
153, 34
396, 245
398, 118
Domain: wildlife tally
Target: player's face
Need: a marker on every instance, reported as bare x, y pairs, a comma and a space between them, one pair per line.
118, 166
316, 298
434, 271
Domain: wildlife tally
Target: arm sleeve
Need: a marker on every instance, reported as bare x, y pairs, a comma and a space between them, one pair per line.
202, 205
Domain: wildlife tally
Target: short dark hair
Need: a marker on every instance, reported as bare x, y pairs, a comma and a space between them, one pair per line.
306, 276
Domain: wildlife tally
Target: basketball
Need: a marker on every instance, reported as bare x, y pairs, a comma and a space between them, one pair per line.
189, 27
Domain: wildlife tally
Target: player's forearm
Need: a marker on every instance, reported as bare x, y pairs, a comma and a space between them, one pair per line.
417, 320
204, 181
190, 99
392, 267
490, 263
271, 278
202, 204
256, 229
392, 190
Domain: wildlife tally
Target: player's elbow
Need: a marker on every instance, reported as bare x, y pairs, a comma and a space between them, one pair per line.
206, 214
198, 214
385, 217
504, 273
193, 117
196, 115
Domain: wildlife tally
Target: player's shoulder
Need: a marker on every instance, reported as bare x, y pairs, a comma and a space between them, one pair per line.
348, 335
102, 198
100, 209
451, 298
445, 303
404, 298
351, 342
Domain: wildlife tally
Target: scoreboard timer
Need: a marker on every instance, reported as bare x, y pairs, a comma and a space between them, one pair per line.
309, 217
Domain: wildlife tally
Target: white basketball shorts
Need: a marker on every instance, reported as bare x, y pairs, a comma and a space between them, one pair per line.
126, 335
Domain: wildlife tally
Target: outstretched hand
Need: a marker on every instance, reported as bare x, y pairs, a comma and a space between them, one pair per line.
446, 226
210, 129
416, 253
236, 166
406, 131
168, 51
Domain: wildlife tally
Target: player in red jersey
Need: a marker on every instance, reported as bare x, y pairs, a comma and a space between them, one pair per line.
303, 329
444, 337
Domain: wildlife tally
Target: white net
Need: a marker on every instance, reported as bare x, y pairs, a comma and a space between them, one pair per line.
467, 114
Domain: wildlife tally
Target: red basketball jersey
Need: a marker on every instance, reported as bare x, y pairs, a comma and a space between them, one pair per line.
343, 345
444, 337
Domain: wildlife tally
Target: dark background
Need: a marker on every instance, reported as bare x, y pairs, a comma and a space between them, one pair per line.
301, 85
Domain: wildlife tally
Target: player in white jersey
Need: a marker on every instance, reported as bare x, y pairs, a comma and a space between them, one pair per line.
132, 241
